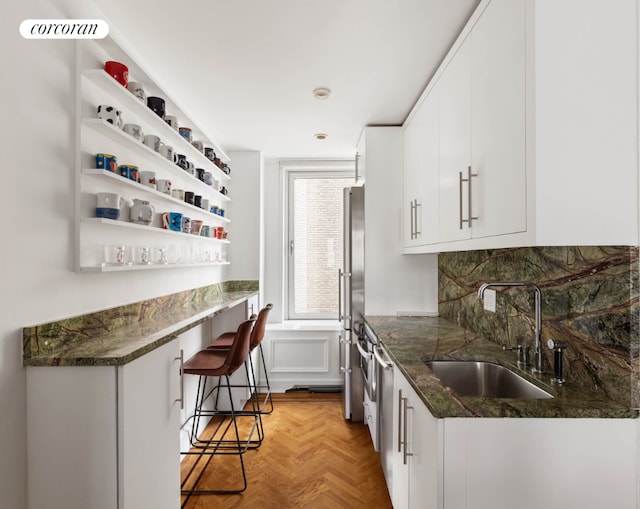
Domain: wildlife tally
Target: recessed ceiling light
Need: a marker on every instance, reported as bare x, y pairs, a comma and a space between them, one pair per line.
320, 136
321, 93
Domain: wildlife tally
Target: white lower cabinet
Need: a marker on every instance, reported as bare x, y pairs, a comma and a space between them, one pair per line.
105, 437
415, 456
502, 463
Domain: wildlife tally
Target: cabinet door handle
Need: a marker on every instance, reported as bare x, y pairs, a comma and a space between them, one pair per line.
469, 197
181, 398
405, 454
415, 211
460, 181
400, 400
411, 219
357, 160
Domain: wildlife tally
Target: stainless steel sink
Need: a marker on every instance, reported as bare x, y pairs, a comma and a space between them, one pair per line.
484, 379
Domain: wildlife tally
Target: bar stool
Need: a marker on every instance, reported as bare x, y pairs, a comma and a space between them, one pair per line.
218, 363
224, 341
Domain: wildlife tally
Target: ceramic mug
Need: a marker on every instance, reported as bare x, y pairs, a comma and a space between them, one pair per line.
181, 160
186, 133
106, 162
108, 205
206, 204
196, 225
164, 186
172, 120
208, 178
178, 194
205, 231
172, 221
128, 171
134, 130
200, 174
152, 141
167, 152
117, 71
186, 224
198, 145
137, 89
197, 200
157, 105
147, 178
110, 114
209, 153
188, 197
142, 212
191, 168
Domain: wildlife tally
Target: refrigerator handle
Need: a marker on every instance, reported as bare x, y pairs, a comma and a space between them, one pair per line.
340, 294
341, 276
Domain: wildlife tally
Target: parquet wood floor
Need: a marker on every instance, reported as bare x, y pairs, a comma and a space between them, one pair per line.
311, 458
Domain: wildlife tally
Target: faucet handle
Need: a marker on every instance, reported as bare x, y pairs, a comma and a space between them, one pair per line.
523, 354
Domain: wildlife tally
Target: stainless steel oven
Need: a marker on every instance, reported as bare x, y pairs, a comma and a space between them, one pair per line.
367, 342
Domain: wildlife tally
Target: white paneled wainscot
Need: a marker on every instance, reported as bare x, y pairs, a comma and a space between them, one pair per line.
302, 354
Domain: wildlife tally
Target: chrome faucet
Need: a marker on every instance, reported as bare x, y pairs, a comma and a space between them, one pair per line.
537, 354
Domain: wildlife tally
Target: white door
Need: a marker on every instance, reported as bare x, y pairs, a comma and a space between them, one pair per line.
455, 145
148, 430
498, 119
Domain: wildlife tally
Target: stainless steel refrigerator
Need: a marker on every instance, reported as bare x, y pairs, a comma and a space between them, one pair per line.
351, 302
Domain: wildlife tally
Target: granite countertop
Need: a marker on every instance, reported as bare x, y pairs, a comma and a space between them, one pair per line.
410, 341
116, 336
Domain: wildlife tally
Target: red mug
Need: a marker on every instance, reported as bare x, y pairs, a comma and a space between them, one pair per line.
118, 71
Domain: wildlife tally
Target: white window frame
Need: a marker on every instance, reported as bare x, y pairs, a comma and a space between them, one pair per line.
291, 171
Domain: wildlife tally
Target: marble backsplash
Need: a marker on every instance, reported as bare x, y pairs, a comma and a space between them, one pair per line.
589, 300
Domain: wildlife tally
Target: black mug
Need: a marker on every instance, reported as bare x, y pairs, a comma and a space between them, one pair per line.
188, 197
197, 200
209, 154
223, 190
200, 174
157, 105
181, 160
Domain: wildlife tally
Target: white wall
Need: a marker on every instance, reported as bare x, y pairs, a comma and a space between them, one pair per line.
244, 212
38, 284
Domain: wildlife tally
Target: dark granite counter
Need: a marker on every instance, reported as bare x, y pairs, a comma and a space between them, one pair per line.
121, 334
410, 341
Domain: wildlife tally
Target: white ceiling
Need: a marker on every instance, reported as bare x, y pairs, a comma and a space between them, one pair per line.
244, 70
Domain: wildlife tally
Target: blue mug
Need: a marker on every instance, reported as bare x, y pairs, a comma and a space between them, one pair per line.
106, 162
172, 221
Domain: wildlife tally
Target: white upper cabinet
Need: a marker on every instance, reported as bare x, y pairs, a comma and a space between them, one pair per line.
498, 120
421, 149
537, 126
455, 146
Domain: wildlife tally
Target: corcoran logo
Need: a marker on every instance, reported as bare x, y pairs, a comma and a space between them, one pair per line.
64, 29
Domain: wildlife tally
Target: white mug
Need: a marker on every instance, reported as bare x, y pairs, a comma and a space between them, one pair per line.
206, 204
147, 178
166, 151
110, 114
164, 186
137, 89
152, 141
134, 130
172, 120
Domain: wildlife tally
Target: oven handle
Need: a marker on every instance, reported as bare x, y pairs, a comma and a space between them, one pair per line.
362, 351
378, 354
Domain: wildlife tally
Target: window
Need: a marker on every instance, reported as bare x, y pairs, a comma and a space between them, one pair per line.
315, 241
